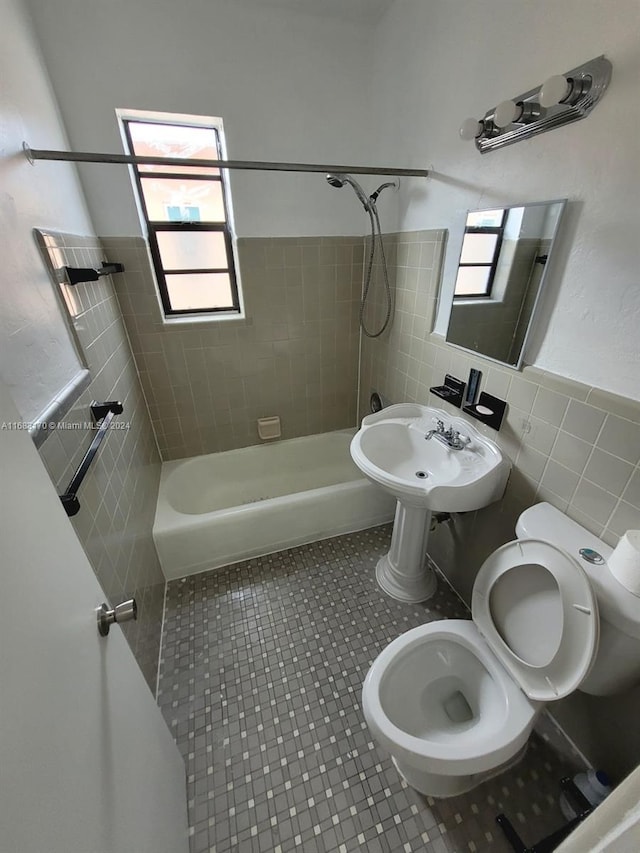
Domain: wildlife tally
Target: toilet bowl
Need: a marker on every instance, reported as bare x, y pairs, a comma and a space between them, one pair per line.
454, 701
438, 700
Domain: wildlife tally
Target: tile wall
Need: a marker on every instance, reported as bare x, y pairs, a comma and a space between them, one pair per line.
294, 355
574, 446
118, 495
394, 364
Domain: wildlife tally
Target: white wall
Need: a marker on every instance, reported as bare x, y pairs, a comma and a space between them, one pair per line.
437, 62
37, 358
289, 86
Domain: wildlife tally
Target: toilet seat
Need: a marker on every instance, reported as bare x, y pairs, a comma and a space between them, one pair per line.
535, 607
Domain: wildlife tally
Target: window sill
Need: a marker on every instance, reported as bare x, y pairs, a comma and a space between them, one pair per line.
476, 300
190, 319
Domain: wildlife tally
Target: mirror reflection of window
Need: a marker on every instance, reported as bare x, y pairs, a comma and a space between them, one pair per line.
486, 218
483, 235
499, 277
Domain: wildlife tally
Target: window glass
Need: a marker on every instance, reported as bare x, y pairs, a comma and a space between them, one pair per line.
177, 200
472, 281
153, 139
192, 250
189, 292
485, 218
478, 248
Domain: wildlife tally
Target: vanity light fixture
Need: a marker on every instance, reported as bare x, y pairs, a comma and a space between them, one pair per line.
561, 99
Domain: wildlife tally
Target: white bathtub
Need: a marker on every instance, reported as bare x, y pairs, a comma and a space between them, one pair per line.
223, 507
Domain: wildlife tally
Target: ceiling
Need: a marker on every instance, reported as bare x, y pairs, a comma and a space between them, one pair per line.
365, 11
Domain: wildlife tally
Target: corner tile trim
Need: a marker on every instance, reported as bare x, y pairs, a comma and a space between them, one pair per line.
59, 407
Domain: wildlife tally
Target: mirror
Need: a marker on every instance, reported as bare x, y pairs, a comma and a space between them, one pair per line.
501, 272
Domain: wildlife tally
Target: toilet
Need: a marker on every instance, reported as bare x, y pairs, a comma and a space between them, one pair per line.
454, 701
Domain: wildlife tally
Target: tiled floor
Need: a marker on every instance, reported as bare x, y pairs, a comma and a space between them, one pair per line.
261, 673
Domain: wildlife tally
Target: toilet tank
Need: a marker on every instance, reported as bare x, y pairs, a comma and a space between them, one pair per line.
617, 664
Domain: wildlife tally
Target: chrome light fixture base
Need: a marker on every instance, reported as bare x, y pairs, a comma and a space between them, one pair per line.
587, 84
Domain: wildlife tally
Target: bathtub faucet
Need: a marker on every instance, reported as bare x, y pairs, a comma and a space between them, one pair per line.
450, 438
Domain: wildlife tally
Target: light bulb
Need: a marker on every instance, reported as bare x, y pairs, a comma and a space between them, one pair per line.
554, 90
471, 128
506, 113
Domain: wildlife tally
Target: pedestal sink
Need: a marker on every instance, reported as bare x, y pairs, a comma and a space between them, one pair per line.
391, 449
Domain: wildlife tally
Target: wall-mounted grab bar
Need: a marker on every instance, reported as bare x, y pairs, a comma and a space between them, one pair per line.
77, 274
103, 414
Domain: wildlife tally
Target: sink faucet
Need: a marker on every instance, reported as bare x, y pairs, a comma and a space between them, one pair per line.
449, 437
439, 430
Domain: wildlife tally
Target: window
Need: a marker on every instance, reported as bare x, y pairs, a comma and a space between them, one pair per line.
480, 250
187, 215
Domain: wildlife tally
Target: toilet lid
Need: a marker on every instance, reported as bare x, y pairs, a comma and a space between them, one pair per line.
534, 606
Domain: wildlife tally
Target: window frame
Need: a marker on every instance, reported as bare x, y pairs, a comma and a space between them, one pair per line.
493, 264
153, 226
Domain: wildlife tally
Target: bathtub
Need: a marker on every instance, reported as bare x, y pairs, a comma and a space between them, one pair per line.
223, 507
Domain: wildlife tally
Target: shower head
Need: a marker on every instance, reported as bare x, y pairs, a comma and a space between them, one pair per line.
336, 181
340, 180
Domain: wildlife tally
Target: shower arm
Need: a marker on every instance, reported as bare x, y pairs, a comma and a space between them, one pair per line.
33, 154
374, 195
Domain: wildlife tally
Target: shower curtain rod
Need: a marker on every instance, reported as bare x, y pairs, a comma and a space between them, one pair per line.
33, 154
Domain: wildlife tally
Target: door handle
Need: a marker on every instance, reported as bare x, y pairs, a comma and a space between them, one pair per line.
124, 612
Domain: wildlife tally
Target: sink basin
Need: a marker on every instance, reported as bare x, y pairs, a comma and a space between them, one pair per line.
424, 475
390, 449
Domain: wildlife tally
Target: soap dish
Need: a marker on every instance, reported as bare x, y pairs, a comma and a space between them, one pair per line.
489, 410
269, 428
452, 391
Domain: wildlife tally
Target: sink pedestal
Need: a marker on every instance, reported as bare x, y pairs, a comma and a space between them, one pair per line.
452, 474
403, 573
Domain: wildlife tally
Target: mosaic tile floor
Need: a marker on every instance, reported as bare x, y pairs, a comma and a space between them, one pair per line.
260, 680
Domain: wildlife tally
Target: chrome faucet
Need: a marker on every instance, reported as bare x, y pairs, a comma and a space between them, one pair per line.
449, 437
438, 431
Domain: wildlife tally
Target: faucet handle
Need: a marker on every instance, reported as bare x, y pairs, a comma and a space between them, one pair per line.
440, 425
460, 441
